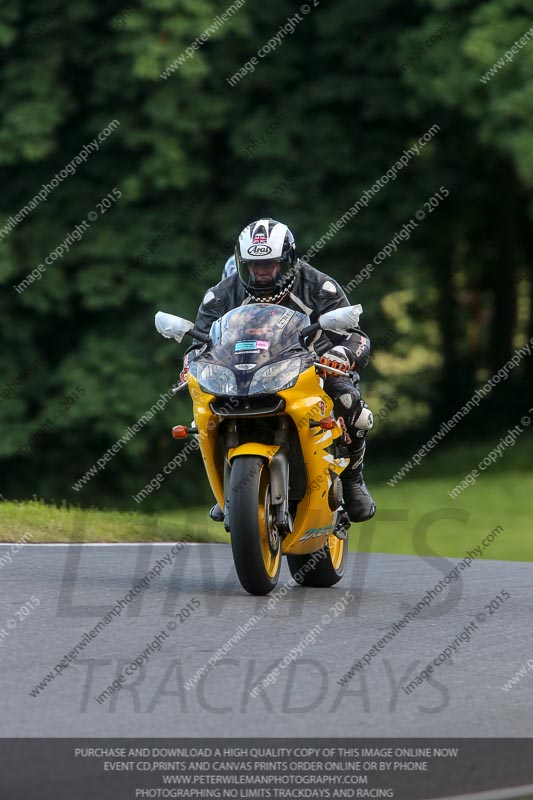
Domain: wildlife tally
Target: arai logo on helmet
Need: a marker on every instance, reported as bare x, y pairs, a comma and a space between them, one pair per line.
259, 250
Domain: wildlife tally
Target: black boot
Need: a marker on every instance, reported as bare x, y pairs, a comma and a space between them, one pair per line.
216, 513
357, 502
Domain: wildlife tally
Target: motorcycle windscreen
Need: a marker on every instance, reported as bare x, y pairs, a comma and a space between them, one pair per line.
251, 335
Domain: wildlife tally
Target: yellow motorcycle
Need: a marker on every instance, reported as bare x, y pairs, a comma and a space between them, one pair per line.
272, 450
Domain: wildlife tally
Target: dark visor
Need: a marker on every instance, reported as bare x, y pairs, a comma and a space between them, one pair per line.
255, 262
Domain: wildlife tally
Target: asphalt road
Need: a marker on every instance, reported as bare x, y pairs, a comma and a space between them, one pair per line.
75, 586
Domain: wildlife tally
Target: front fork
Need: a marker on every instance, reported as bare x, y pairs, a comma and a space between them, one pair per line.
279, 476
279, 479
232, 440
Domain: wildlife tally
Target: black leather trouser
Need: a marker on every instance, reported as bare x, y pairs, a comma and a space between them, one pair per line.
346, 395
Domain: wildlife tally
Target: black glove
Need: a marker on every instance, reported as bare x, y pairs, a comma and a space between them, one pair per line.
339, 358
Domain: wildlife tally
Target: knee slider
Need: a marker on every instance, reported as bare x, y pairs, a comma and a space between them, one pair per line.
365, 419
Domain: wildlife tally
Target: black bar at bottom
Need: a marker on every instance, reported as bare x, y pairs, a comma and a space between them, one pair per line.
127, 769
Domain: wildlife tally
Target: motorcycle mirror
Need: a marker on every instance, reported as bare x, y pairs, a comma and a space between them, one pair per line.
340, 320
172, 327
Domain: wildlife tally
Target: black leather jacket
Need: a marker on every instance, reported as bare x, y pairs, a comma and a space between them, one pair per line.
312, 293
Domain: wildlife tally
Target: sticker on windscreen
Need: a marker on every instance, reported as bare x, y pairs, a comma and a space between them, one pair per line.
251, 346
284, 319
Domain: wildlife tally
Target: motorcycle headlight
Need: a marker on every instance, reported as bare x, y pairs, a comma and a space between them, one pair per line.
275, 377
216, 379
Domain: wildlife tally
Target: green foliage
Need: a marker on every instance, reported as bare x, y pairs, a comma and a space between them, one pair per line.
196, 159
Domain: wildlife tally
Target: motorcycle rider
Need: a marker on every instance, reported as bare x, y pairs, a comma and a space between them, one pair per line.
268, 271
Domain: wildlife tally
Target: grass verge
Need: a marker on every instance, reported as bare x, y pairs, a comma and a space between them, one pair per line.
47, 523
417, 516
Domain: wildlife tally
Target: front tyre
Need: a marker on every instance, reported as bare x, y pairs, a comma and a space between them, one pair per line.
323, 568
255, 541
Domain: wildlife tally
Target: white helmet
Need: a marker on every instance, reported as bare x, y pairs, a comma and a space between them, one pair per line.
266, 256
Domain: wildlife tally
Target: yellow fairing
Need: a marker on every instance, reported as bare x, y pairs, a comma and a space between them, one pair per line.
207, 424
314, 520
268, 451
305, 401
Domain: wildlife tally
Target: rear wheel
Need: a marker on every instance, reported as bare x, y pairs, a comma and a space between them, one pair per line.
255, 541
323, 568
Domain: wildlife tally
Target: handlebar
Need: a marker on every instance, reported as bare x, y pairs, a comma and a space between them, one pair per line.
334, 370
310, 329
196, 334
178, 387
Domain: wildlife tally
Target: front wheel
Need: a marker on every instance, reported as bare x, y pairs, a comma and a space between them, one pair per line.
323, 568
255, 541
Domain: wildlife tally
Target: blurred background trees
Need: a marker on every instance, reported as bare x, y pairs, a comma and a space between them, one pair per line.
320, 119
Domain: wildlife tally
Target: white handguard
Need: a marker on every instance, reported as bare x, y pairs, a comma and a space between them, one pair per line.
340, 320
172, 327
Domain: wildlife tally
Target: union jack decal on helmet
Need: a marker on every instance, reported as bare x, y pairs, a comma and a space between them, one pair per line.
266, 240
